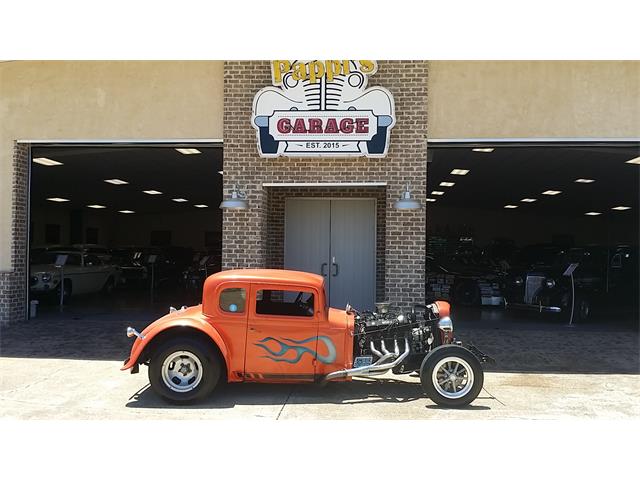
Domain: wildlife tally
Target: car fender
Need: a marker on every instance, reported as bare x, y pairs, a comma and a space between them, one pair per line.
163, 325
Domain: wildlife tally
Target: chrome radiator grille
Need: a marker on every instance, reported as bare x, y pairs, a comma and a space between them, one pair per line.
532, 286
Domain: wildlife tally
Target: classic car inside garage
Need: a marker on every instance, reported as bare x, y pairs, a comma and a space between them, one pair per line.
506, 221
131, 228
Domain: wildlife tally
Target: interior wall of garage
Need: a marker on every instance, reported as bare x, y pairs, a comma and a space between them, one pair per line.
187, 229
534, 99
529, 228
102, 101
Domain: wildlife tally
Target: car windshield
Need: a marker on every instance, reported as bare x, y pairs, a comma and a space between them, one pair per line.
49, 257
541, 256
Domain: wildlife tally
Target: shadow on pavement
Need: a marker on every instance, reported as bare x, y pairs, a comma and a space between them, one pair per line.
230, 395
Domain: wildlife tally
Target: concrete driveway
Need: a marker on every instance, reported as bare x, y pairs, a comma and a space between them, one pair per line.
96, 389
67, 367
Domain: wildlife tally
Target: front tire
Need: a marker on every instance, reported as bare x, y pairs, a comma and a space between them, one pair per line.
451, 376
184, 370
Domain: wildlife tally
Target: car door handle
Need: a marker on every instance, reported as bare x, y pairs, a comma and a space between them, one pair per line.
322, 269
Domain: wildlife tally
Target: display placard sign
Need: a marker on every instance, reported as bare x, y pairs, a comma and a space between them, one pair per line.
61, 260
570, 269
323, 108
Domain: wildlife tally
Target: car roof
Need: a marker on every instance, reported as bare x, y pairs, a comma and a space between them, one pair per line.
267, 275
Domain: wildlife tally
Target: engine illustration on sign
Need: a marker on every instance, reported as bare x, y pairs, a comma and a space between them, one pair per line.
323, 108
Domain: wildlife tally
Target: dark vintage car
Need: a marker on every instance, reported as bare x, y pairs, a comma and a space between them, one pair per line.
203, 264
164, 264
540, 280
464, 278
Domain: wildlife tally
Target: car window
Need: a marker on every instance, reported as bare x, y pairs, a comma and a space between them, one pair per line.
233, 300
92, 261
285, 302
72, 259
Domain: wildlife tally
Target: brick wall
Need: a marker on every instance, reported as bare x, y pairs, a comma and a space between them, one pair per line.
13, 294
246, 234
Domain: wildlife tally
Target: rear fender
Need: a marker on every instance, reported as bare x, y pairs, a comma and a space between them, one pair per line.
181, 326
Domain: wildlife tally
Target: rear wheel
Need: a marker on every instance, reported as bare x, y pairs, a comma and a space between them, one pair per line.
184, 370
451, 376
582, 308
467, 293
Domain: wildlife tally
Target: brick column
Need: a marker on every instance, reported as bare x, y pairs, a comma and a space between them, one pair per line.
13, 295
245, 233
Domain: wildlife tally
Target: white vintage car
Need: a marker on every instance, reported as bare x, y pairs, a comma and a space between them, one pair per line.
83, 273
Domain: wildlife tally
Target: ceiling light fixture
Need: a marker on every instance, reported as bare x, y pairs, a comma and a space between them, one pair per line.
621, 208
552, 192
406, 202
429, 199
447, 184
188, 151
459, 171
152, 192
201, 205
236, 202
179, 200
593, 214
126, 211
116, 181
635, 161
584, 180
528, 200
58, 199
483, 150
47, 162
511, 206
96, 206
437, 192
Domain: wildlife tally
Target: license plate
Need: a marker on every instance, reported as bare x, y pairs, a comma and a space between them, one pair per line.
362, 361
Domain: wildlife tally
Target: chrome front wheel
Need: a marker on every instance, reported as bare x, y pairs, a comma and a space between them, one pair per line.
451, 376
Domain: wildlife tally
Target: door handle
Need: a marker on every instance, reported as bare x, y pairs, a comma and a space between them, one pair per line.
322, 271
334, 264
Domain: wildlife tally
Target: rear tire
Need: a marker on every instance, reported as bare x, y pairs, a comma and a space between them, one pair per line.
451, 376
467, 293
184, 370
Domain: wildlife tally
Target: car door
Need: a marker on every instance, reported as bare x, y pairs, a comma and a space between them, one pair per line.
282, 334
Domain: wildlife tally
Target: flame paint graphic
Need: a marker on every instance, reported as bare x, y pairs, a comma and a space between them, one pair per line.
276, 356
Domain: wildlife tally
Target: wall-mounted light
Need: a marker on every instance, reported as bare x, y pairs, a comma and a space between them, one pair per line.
236, 202
406, 202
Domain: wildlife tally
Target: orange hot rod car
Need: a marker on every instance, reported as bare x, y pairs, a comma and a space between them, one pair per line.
274, 326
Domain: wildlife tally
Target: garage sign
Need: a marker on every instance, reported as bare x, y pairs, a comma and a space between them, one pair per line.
323, 108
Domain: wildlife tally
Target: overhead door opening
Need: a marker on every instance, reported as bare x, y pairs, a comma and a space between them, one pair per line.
506, 222
120, 230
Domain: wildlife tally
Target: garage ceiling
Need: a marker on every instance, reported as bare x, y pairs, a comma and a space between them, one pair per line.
81, 178
508, 174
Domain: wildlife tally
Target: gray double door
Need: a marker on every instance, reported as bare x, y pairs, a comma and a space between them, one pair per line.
335, 238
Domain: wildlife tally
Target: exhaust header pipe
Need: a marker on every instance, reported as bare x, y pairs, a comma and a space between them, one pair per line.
377, 368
